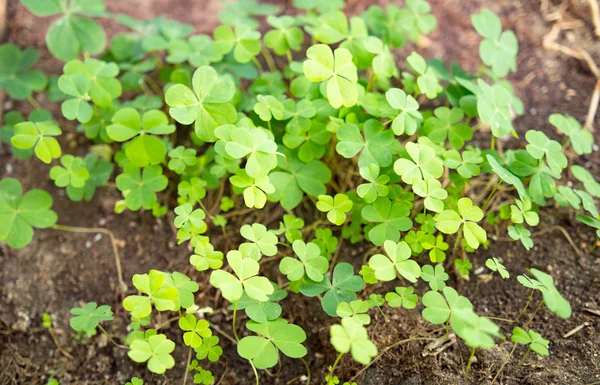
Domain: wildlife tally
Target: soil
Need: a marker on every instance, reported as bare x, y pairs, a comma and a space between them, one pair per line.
59, 270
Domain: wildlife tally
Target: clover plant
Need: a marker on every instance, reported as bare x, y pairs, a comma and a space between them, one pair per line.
314, 146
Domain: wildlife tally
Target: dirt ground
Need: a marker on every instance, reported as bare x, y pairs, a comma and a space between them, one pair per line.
59, 270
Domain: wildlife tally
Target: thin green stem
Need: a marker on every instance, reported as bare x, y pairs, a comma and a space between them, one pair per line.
189, 358
534, 313
505, 363
487, 200
492, 142
527, 304
255, 372
471, 357
233, 323
337, 360
259, 66
269, 58
525, 356
34, 102
111, 339
290, 59
307, 370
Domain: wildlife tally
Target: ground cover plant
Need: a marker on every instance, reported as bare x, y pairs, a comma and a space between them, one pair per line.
354, 149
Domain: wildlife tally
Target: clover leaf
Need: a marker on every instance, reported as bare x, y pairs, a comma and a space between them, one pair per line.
494, 265
427, 80
73, 33
507, 176
342, 288
437, 249
376, 186
99, 173
245, 279
422, 165
209, 349
540, 146
439, 308
519, 233
309, 261
278, 335
581, 139
255, 190
409, 118
285, 37
242, 39
297, 178
335, 207
493, 107
89, 316
397, 261
552, 298
351, 336
534, 340
72, 173
444, 125
499, 49
16, 74
198, 50
256, 145
436, 277
356, 309
188, 218
139, 186
311, 137
463, 266
194, 189
195, 330
207, 105
478, 332
162, 296
450, 221
433, 192
156, 350
522, 211
40, 137
78, 87
268, 107
263, 240
392, 218
466, 164
103, 85
335, 68
404, 296
206, 257
180, 158
18, 214
145, 148
375, 147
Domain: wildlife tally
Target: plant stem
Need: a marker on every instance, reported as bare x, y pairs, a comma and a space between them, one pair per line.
526, 305
111, 339
534, 313
307, 370
259, 66
337, 360
468, 368
269, 58
255, 372
189, 358
290, 59
505, 362
74, 229
487, 200
233, 323
458, 238
525, 356
492, 142
34, 102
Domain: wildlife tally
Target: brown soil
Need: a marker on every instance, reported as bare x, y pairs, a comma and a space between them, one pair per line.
59, 270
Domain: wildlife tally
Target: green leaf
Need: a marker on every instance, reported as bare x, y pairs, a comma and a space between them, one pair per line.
409, 118
463, 266
335, 207
257, 146
428, 80
195, 330
376, 186
531, 338
351, 336
206, 257
101, 76
436, 277
391, 219
145, 148
423, 164
18, 214
397, 261
156, 350
493, 107
88, 317
268, 107
404, 296
245, 41
356, 309
310, 261
494, 265
552, 298
507, 176
285, 37
40, 137
72, 173
433, 192
337, 69
209, 349
139, 186
263, 240
445, 126
540, 146
375, 147
519, 233
499, 49
207, 105
439, 308
449, 222
160, 295
181, 158
582, 139
198, 50
16, 75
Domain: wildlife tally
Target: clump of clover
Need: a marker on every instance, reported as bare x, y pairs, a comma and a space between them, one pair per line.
199, 131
